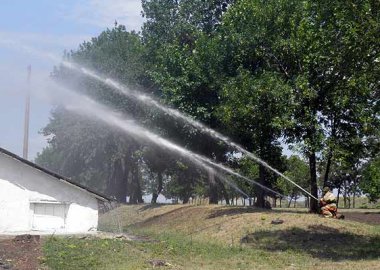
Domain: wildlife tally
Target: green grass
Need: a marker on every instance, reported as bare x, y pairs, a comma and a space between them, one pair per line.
74, 253
178, 250
267, 251
209, 237
187, 253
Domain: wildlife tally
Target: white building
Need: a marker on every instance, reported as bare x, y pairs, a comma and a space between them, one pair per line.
35, 199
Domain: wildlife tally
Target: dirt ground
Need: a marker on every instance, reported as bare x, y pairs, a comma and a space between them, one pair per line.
365, 217
20, 253
24, 252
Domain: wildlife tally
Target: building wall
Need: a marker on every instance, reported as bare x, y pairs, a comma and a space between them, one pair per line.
22, 185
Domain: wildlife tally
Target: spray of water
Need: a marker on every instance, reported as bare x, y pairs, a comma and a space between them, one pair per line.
150, 101
232, 184
87, 106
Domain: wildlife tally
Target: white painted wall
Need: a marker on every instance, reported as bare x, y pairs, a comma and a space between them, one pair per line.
22, 185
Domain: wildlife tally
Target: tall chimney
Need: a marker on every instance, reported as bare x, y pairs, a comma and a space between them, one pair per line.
27, 108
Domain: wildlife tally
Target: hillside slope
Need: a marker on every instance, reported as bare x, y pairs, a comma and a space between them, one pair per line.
302, 240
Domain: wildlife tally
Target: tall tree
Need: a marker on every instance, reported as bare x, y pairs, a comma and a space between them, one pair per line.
298, 171
100, 157
170, 35
298, 40
253, 108
370, 182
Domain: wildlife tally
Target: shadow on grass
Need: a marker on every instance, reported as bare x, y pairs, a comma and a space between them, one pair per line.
238, 210
372, 213
233, 211
157, 218
319, 241
151, 206
292, 210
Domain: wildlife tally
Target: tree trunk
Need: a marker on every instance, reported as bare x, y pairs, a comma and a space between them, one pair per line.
213, 188
159, 188
274, 202
354, 193
260, 202
337, 200
290, 201
345, 196
224, 192
344, 200
136, 193
118, 182
313, 182
186, 200
329, 155
345, 193
328, 166
349, 201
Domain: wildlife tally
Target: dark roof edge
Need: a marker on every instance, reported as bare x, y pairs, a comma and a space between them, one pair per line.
55, 175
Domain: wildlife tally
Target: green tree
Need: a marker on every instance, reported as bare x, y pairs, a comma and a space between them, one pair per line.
333, 86
182, 77
370, 182
253, 108
185, 182
298, 171
98, 156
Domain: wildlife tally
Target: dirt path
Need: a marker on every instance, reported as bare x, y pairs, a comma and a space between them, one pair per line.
20, 253
364, 217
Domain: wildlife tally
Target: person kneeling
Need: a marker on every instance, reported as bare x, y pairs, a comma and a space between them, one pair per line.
328, 203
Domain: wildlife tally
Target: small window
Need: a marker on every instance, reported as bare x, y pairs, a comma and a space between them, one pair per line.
49, 209
47, 216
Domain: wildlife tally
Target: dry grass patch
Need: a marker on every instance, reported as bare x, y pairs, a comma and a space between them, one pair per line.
228, 237
221, 223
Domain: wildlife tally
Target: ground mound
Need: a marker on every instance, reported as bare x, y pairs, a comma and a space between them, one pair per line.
206, 237
344, 244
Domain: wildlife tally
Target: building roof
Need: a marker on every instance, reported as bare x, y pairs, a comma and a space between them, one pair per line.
56, 176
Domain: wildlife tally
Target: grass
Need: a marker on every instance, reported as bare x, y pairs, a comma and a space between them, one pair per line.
75, 253
179, 251
217, 237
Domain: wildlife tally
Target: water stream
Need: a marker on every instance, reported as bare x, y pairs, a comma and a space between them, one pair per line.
86, 106
147, 100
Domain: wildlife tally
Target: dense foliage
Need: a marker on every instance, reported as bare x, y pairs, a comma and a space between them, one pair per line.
262, 72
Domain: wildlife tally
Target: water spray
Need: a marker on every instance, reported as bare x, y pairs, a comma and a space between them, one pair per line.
175, 113
146, 99
105, 114
233, 185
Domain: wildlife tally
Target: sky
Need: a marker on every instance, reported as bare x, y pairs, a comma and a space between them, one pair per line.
30, 31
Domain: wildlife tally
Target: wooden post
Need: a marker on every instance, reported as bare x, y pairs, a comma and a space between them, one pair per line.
26, 120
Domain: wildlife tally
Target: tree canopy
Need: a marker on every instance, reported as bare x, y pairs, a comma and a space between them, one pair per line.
265, 73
